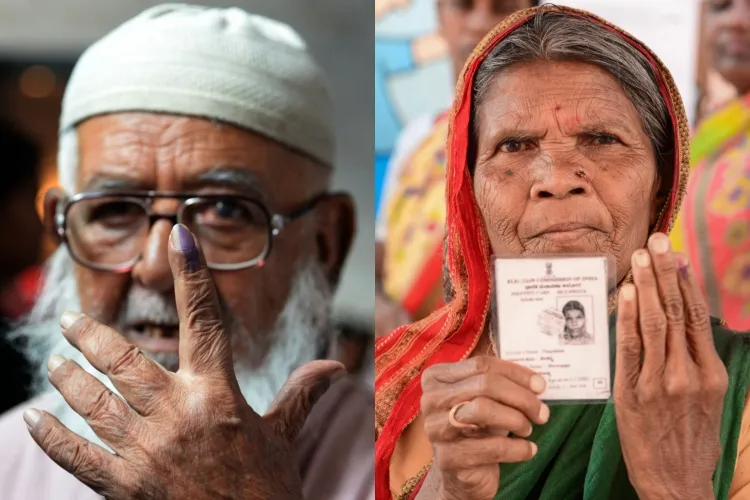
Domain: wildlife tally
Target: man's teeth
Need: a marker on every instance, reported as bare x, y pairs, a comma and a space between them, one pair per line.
158, 332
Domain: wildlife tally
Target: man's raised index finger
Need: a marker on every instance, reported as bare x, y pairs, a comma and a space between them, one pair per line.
204, 344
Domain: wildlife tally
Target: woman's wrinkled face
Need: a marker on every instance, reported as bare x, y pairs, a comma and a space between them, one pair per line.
563, 163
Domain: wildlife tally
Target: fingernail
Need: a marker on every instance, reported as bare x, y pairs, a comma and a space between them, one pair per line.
659, 243
534, 449
641, 258
54, 362
544, 413
68, 318
627, 291
538, 384
183, 241
31, 417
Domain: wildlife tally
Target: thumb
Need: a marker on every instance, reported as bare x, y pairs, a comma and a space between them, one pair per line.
293, 404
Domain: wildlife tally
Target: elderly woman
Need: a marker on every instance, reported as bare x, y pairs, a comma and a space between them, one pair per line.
714, 225
567, 135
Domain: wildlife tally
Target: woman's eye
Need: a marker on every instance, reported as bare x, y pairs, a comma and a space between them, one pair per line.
514, 146
719, 5
602, 139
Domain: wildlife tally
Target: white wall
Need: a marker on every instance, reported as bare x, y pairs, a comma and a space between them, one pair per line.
340, 34
668, 27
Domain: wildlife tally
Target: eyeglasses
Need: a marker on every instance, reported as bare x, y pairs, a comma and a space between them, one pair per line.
107, 231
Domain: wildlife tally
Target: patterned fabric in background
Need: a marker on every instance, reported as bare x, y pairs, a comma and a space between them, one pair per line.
416, 227
714, 226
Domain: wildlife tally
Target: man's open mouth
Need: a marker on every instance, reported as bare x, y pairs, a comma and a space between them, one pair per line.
157, 331
155, 338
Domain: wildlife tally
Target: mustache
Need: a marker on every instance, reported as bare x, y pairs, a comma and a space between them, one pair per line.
147, 306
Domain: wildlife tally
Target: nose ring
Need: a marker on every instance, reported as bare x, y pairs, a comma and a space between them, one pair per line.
581, 173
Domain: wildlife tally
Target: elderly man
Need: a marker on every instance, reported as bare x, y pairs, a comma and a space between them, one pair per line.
220, 121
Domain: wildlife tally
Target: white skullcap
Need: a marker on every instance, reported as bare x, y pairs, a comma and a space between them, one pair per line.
222, 64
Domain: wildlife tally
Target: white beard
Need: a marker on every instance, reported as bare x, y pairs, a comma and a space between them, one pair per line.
301, 333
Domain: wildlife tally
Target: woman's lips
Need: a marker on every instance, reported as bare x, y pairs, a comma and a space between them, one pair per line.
155, 338
561, 233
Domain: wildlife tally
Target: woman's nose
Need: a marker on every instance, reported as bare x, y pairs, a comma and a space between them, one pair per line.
560, 183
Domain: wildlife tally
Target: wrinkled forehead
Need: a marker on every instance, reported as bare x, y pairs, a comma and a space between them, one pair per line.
567, 94
136, 151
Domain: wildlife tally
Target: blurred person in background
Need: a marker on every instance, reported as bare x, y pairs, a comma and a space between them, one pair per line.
231, 135
20, 247
394, 56
411, 220
714, 226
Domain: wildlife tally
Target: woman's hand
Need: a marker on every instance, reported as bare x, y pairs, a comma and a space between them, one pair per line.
669, 382
179, 435
496, 398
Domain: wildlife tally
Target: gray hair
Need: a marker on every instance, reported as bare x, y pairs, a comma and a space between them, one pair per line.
557, 36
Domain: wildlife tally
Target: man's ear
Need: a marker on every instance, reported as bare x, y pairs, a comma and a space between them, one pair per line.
51, 200
335, 233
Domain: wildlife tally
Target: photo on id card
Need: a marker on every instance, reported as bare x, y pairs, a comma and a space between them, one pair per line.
551, 315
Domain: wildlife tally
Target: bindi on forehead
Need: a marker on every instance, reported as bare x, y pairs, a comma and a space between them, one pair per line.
570, 95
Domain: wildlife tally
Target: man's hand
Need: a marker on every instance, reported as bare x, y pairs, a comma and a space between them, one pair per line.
669, 381
184, 435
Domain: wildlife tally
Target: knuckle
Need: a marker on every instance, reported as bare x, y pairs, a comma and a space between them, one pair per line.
717, 381
432, 403
674, 308
203, 318
697, 316
99, 406
483, 384
428, 377
426, 403
679, 386
654, 321
126, 361
649, 392
435, 429
476, 411
630, 346
619, 398
479, 364
84, 464
665, 266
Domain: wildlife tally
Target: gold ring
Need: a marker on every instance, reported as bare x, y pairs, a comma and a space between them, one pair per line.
455, 423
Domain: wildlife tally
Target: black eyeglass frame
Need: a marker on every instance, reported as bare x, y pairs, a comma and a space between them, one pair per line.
276, 221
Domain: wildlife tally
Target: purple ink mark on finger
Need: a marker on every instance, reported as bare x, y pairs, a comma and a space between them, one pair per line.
186, 245
683, 267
